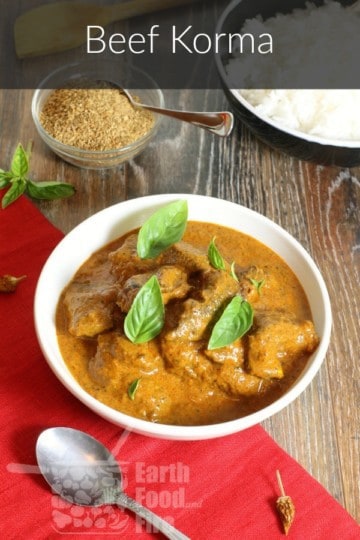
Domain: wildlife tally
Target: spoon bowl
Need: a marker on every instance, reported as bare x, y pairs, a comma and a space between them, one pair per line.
83, 471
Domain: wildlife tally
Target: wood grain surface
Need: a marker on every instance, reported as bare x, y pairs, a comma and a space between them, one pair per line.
318, 205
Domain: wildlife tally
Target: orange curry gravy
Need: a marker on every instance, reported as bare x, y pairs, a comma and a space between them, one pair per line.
181, 382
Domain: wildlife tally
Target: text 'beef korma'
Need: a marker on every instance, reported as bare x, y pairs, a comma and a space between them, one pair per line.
185, 322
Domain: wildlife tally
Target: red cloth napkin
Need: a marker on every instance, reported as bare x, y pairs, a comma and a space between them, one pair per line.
222, 488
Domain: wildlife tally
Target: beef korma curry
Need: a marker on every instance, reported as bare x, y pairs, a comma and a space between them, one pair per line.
185, 323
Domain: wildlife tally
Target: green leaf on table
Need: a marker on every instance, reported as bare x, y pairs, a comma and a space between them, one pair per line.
20, 162
5, 178
49, 190
16, 189
18, 181
215, 257
235, 321
145, 318
164, 228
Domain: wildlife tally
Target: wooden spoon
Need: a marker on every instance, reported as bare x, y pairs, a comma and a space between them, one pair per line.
56, 27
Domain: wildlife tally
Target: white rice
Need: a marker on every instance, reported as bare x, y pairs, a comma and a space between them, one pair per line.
331, 114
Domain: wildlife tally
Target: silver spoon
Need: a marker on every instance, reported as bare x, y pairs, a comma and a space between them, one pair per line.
219, 123
63, 453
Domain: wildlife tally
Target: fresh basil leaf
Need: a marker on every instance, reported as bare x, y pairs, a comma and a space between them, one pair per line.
17, 188
235, 321
4, 182
49, 190
133, 388
214, 256
19, 183
20, 162
5, 178
145, 318
162, 229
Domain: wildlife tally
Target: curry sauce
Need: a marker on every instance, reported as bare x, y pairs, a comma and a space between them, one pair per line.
181, 381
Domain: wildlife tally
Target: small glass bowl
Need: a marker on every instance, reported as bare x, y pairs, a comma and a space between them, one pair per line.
146, 90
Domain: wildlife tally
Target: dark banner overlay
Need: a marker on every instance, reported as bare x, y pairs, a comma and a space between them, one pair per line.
203, 44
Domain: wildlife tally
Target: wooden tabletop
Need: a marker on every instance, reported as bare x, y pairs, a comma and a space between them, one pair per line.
318, 205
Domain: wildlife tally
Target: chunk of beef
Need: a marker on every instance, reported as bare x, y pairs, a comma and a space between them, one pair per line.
186, 256
116, 357
257, 283
235, 381
172, 280
188, 320
90, 308
126, 263
277, 339
153, 402
233, 352
248, 278
186, 357
191, 320
221, 367
118, 362
231, 377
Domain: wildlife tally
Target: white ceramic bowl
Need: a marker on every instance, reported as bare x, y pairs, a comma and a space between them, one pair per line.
116, 220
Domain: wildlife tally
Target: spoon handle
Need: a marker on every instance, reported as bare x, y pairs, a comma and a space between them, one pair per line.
159, 524
220, 123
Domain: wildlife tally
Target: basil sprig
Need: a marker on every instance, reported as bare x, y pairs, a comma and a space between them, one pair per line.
49, 190
17, 181
215, 257
235, 321
162, 229
145, 318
